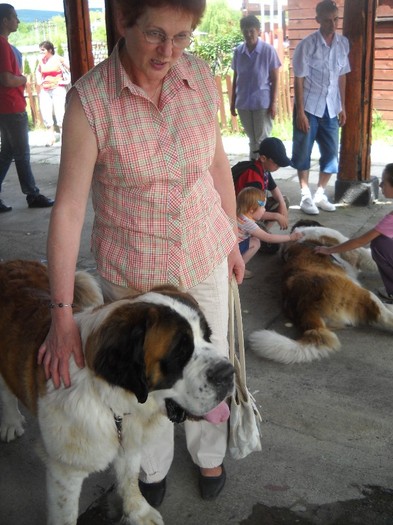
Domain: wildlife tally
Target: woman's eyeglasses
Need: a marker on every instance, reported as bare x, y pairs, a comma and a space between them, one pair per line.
180, 41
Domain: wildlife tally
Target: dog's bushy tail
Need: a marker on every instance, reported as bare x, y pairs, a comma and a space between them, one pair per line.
87, 291
314, 344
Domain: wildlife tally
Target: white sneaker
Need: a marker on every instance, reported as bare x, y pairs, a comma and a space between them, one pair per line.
322, 202
307, 205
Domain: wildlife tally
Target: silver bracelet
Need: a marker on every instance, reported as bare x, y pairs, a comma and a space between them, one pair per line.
61, 305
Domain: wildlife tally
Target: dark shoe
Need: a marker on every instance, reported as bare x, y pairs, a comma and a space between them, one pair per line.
210, 488
39, 201
153, 492
267, 247
4, 208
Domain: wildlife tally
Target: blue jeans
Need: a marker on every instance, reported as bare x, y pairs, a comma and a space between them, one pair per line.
323, 131
15, 146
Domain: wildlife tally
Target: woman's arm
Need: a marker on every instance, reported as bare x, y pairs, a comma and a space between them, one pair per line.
351, 244
274, 79
222, 177
233, 98
78, 157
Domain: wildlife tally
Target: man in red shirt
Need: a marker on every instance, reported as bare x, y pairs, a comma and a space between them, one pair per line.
13, 117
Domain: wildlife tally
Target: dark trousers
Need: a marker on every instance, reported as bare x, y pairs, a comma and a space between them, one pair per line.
15, 146
382, 253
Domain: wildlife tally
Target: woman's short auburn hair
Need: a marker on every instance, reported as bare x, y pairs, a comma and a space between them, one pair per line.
247, 200
132, 10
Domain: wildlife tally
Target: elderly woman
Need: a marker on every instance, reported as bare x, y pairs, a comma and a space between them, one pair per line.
141, 132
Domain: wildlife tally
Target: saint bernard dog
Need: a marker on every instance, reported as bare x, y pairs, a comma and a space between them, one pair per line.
147, 357
321, 293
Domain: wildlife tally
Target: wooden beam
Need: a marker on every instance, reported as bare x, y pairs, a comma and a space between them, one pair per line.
359, 28
112, 35
80, 51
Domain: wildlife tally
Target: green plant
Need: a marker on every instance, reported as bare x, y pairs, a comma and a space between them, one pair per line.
381, 130
217, 51
282, 129
26, 67
59, 49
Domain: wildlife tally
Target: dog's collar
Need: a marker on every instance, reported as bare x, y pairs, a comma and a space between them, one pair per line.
119, 425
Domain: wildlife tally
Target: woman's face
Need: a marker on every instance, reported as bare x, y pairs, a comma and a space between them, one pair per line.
44, 52
152, 61
250, 35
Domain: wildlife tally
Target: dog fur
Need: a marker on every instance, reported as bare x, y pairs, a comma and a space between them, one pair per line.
146, 357
321, 293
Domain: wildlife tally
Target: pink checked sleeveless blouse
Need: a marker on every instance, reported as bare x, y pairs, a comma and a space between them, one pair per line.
158, 217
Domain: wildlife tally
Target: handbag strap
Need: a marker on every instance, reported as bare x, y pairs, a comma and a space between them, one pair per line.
235, 316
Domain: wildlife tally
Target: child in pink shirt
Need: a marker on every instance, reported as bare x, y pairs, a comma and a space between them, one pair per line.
380, 238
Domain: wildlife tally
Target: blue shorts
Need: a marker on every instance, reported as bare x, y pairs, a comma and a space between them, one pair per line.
323, 131
244, 245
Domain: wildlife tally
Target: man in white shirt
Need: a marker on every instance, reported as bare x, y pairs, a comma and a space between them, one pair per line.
320, 65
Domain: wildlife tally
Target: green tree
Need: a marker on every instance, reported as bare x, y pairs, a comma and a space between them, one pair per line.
217, 36
26, 67
219, 19
59, 49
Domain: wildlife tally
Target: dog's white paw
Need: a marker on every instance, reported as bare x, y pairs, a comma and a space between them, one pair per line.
12, 427
146, 516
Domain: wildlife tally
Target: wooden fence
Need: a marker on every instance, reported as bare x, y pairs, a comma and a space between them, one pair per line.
224, 86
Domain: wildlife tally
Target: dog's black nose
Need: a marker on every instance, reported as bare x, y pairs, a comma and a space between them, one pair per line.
221, 375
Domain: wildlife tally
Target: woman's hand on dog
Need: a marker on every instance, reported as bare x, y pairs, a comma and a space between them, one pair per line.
62, 341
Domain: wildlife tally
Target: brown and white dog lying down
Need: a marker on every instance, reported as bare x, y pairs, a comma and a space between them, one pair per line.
146, 357
321, 293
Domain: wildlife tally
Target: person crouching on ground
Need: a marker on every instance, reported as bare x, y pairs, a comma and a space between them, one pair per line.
272, 155
251, 208
381, 241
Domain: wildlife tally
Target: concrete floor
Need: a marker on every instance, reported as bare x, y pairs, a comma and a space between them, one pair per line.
327, 426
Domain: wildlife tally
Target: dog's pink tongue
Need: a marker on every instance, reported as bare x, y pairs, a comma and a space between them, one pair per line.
218, 414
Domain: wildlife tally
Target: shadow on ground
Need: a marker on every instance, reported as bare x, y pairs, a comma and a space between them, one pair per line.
375, 508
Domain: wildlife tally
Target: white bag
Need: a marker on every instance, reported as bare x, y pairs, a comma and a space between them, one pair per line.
66, 74
244, 434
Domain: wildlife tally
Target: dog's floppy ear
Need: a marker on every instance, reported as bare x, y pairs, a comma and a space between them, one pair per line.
120, 357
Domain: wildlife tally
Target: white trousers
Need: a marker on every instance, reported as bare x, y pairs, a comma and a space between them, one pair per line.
206, 442
52, 103
258, 125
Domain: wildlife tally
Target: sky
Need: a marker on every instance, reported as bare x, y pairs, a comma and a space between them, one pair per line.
45, 5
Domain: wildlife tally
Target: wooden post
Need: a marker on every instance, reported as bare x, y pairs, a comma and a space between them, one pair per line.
77, 17
360, 30
112, 34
